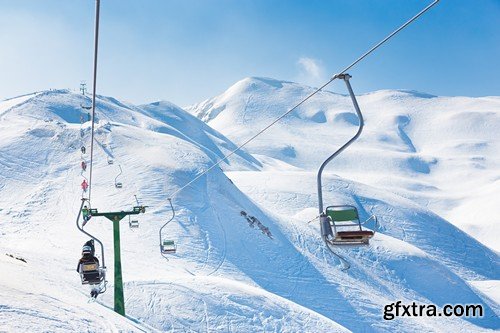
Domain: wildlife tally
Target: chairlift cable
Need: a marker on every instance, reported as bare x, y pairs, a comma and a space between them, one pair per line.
96, 44
306, 98
389, 36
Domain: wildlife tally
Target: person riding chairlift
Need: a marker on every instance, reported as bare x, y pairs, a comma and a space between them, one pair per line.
86, 215
84, 166
83, 149
88, 257
85, 185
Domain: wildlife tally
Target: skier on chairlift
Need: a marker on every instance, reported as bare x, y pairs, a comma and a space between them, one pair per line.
88, 257
84, 166
86, 215
85, 185
83, 149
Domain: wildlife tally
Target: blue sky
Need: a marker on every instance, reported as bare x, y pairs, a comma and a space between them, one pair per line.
186, 51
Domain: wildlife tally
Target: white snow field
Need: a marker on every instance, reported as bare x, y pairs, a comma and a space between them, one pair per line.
440, 152
426, 166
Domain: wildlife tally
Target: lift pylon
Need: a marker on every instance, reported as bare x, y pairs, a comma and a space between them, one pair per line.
116, 217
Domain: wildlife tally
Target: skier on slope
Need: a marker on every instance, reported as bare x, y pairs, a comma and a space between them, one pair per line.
85, 185
88, 258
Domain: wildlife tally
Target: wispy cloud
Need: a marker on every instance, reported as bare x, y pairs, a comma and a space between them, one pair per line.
311, 71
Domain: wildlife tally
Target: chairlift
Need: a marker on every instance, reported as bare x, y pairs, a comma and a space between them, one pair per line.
133, 224
347, 227
340, 225
110, 161
167, 246
117, 183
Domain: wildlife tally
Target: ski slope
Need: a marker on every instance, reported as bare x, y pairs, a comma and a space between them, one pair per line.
226, 276
440, 152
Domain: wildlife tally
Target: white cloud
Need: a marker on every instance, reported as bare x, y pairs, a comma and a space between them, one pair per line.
311, 71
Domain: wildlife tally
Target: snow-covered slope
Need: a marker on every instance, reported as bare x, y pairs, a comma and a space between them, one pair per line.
40, 196
226, 276
442, 152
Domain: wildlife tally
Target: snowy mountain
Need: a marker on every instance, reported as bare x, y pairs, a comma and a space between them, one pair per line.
441, 152
228, 275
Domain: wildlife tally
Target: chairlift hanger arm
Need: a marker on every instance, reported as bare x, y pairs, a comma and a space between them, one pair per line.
86, 233
171, 218
346, 78
161, 229
118, 175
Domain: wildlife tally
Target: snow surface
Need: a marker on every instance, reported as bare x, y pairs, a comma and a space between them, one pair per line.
441, 152
226, 275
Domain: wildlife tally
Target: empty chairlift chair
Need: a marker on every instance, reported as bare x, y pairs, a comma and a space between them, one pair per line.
346, 226
133, 224
117, 183
168, 246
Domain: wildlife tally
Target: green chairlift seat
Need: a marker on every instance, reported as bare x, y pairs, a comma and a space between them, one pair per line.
347, 228
168, 246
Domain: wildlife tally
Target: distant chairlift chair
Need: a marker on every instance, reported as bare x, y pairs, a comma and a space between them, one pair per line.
117, 183
133, 224
168, 246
